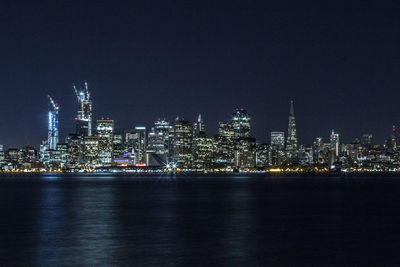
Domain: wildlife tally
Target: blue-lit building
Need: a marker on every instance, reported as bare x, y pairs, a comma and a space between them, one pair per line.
52, 124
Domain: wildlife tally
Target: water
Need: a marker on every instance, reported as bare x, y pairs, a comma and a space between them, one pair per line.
187, 221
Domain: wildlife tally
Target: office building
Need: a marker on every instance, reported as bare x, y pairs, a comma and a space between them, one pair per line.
105, 130
182, 143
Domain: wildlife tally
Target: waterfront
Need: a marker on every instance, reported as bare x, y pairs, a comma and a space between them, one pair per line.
189, 220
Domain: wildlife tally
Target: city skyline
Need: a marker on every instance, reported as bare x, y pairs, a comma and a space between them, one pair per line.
184, 145
83, 93
338, 61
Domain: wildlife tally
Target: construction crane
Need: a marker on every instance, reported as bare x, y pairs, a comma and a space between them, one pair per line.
84, 114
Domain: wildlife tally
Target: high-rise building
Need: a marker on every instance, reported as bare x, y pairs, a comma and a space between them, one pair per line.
2, 158
317, 148
52, 124
199, 128
202, 152
91, 148
335, 143
158, 142
224, 146
158, 137
118, 145
136, 143
245, 152
105, 130
183, 143
74, 151
291, 143
244, 144
83, 119
262, 155
366, 140
61, 155
393, 138
277, 155
278, 140
241, 123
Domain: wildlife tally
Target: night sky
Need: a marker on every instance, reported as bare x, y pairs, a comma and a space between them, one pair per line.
339, 62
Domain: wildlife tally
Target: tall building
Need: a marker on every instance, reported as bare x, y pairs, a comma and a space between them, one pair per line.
278, 140
202, 152
75, 151
199, 127
2, 158
291, 143
91, 148
262, 155
158, 142
318, 147
277, 155
245, 152
158, 137
241, 123
52, 138
224, 146
335, 143
83, 119
393, 138
61, 155
118, 145
244, 144
105, 129
366, 140
183, 143
136, 143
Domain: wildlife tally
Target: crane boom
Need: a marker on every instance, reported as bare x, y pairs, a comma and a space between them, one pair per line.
87, 91
76, 91
54, 105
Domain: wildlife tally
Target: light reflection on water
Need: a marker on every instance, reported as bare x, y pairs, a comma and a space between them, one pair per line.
184, 220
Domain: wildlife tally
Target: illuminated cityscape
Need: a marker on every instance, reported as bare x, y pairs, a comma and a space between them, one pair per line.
183, 146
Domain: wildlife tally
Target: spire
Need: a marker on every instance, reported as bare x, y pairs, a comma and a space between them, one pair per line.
199, 118
291, 109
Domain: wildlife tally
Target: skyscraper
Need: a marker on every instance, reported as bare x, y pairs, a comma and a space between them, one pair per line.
105, 129
366, 140
83, 119
393, 138
183, 143
52, 138
199, 127
1, 156
158, 137
74, 151
158, 142
136, 143
291, 143
91, 148
335, 143
202, 152
278, 140
224, 145
318, 147
241, 123
244, 144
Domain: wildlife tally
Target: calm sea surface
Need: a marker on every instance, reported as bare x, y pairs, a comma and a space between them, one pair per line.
187, 221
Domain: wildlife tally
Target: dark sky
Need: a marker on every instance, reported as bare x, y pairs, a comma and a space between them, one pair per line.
339, 61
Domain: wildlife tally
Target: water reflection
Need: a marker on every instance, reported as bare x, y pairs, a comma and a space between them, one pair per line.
76, 223
183, 220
